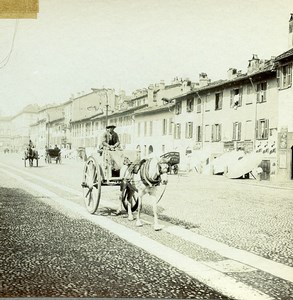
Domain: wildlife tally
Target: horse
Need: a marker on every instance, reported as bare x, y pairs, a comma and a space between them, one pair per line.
144, 178
31, 154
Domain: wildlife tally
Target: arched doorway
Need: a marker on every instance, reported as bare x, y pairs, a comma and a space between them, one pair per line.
151, 149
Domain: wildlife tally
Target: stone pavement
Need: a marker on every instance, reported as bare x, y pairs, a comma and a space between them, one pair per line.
252, 215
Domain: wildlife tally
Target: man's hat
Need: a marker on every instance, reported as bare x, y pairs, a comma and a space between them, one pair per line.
110, 126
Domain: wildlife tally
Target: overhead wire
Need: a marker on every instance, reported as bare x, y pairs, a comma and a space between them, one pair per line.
5, 60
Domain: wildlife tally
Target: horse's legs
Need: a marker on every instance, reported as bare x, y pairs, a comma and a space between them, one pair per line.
138, 221
155, 210
129, 197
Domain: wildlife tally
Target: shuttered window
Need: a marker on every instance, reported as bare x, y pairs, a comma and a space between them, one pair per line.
189, 130
236, 131
218, 101
261, 92
198, 133
284, 76
262, 129
236, 97
216, 132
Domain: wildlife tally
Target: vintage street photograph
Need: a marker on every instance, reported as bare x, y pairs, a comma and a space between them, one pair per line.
146, 149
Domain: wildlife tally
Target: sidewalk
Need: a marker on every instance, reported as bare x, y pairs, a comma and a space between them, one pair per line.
266, 183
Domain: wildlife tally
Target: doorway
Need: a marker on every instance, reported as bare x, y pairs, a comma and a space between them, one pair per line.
266, 168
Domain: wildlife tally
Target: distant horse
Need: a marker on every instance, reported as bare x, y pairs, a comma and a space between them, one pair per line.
30, 154
144, 178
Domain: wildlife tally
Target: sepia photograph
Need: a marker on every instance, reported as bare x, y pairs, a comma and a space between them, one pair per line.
146, 149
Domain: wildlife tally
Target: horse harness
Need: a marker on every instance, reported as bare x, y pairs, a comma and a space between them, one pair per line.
144, 174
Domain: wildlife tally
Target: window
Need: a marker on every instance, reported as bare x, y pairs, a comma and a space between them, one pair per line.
138, 129
145, 128
170, 126
189, 130
198, 105
218, 101
248, 130
207, 104
261, 90
151, 128
164, 126
198, 134
236, 98
216, 132
284, 76
250, 93
236, 131
189, 105
178, 108
178, 131
207, 133
262, 129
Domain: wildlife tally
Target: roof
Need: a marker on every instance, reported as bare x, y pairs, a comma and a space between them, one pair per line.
31, 108
267, 69
153, 109
285, 55
5, 118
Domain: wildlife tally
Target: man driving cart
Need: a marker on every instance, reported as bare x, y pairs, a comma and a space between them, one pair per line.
110, 139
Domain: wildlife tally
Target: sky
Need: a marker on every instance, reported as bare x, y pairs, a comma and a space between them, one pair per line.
76, 45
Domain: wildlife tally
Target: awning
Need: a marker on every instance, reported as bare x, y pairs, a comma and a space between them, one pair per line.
222, 162
244, 165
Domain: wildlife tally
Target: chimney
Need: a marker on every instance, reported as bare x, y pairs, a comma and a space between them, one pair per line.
253, 64
151, 95
290, 37
203, 79
162, 85
232, 73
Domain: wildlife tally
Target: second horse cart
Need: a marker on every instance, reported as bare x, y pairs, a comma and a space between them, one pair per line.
105, 169
174, 159
53, 155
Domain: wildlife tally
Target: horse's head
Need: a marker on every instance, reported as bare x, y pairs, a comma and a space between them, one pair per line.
163, 164
158, 169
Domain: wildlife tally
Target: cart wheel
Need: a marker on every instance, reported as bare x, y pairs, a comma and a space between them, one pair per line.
176, 169
37, 162
134, 201
92, 185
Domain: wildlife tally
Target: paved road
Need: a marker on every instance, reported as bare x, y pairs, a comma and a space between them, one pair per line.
218, 212
47, 254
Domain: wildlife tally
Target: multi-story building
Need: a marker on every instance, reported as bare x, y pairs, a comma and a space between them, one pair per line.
284, 64
234, 114
250, 111
20, 127
5, 134
153, 126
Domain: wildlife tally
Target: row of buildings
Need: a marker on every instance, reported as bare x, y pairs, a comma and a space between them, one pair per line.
251, 111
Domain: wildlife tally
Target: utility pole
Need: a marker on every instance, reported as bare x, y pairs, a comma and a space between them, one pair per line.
107, 108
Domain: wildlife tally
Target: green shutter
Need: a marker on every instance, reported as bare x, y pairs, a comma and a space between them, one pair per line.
234, 131
231, 98
266, 128
239, 131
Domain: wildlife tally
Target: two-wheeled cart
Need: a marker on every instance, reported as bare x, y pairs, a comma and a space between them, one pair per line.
53, 155
173, 161
105, 169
